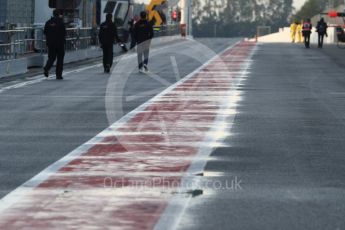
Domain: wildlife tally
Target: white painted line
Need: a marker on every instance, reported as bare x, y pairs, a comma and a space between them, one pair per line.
40, 78
175, 68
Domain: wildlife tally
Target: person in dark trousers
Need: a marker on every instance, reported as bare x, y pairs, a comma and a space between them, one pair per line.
131, 30
55, 32
321, 29
306, 31
143, 33
107, 37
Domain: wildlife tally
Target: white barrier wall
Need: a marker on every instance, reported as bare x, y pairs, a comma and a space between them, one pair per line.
283, 36
13, 67
331, 39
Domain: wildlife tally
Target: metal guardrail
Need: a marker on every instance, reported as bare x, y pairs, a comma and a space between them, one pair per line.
23, 41
28, 40
14, 42
81, 38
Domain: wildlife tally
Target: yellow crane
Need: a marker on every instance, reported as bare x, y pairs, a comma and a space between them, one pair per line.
155, 11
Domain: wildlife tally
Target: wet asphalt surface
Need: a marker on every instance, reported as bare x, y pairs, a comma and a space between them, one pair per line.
44, 121
283, 164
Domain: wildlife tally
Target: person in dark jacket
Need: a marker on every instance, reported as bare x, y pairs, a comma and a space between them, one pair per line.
143, 33
321, 29
306, 31
107, 37
131, 30
55, 32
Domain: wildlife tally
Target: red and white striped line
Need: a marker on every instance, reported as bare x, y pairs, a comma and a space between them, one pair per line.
130, 175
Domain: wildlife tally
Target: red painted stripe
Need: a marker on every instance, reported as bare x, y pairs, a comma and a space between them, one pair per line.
126, 180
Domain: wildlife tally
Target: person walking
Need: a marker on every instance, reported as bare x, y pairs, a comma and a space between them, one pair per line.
107, 37
143, 33
55, 32
321, 29
131, 30
306, 31
293, 28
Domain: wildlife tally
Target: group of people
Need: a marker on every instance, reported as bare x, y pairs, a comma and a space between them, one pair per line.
305, 29
141, 31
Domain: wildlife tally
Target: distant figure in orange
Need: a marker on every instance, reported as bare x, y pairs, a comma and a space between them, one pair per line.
299, 32
306, 31
293, 28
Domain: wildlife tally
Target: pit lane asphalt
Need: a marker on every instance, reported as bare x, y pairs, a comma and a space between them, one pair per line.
286, 148
42, 122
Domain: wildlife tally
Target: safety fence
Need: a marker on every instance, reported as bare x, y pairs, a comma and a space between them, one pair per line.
15, 42
30, 40
81, 38
24, 41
